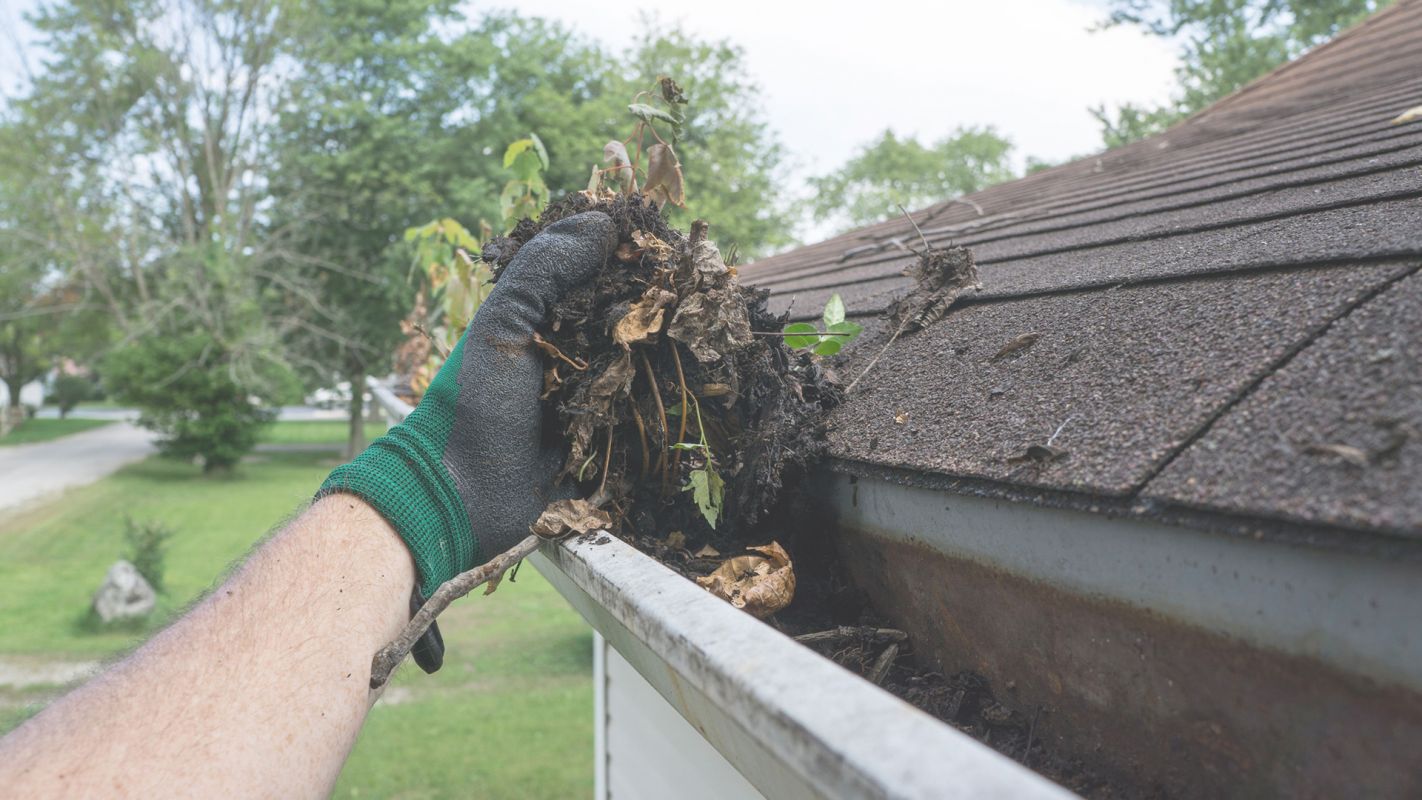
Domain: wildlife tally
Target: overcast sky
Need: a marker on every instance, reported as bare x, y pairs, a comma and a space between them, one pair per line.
835, 73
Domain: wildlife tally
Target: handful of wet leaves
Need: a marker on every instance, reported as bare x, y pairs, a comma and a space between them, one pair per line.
676, 400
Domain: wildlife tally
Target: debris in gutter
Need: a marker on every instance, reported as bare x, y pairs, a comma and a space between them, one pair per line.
760, 584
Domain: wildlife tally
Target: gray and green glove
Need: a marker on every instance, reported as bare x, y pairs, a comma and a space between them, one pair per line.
464, 476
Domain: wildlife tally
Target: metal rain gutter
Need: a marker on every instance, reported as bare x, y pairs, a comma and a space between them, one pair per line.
795, 724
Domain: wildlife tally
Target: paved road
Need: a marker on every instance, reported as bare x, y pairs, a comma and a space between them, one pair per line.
288, 413
32, 471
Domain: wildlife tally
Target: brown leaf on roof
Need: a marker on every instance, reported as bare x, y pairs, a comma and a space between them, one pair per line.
940, 276
1019, 344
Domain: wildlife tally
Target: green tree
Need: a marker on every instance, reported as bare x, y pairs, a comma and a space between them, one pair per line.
1224, 45
894, 171
362, 156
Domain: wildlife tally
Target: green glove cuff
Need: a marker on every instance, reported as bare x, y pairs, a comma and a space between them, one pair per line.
402, 475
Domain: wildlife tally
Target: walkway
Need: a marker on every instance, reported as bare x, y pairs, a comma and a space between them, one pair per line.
32, 471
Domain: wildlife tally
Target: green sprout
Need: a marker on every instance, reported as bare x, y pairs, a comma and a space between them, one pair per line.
837, 331
707, 488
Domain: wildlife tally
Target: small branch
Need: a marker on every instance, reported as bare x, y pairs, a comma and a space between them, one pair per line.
1031, 731
926, 246
681, 434
662, 418
390, 656
642, 436
438, 345
882, 664
879, 355
852, 632
607, 462
1058, 431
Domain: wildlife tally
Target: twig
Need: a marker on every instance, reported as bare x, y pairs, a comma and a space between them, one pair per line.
661, 416
852, 632
1058, 431
965, 201
880, 354
880, 670
438, 345
641, 435
606, 463
390, 656
680, 434
926, 246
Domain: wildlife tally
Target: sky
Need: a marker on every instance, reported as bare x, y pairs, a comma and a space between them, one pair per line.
834, 74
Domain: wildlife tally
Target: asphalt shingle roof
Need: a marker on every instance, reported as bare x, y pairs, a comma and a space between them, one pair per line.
1210, 306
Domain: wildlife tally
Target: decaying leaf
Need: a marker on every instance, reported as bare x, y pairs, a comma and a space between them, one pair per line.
664, 180
671, 92
595, 408
614, 154
760, 585
1038, 454
660, 250
1017, 345
900, 417
644, 319
712, 324
676, 540
1353, 455
707, 551
1410, 115
563, 517
940, 276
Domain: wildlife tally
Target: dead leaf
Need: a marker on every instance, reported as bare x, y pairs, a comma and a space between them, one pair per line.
595, 408
707, 551
1022, 342
712, 324
660, 250
1410, 115
940, 275
715, 389
614, 153
644, 319
1353, 455
628, 252
760, 585
676, 540
552, 382
563, 517
664, 180
900, 417
1038, 454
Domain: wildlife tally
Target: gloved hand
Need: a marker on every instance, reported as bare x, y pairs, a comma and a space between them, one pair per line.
464, 476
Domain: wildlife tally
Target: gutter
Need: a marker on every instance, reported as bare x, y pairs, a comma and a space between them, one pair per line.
793, 723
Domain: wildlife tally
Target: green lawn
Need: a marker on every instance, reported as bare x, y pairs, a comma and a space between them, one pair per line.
510, 715
42, 430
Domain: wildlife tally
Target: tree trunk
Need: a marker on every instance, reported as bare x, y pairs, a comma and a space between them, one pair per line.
14, 383
355, 441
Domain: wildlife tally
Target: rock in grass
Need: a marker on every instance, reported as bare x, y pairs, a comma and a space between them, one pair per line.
124, 594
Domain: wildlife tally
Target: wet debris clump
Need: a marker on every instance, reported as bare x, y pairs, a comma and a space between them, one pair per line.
659, 374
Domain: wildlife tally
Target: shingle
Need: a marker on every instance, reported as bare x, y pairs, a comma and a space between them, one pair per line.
1275, 454
1133, 373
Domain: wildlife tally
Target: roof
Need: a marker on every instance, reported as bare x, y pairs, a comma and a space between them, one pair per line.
1228, 315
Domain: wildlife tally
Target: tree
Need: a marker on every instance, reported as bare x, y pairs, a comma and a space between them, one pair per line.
894, 171
361, 158
1225, 44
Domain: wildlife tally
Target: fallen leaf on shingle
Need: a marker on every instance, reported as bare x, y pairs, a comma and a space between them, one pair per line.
759, 585
1038, 454
644, 319
900, 417
1410, 115
563, 517
1353, 455
1019, 344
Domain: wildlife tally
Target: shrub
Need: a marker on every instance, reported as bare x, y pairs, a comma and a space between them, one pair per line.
201, 402
147, 547
70, 391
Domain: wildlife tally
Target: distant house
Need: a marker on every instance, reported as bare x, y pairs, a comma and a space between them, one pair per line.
31, 394
1211, 582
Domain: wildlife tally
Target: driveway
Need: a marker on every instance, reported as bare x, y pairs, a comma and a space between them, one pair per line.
29, 472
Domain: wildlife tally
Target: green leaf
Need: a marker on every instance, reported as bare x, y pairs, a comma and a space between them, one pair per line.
707, 491
828, 346
683, 445
539, 149
834, 310
514, 150
526, 166
648, 113
845, 329
801, 334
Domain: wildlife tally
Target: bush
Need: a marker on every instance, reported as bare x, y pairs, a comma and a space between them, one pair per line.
193, 394
70, 391
147, 548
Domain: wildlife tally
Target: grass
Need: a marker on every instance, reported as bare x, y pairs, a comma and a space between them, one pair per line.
509, 715
43, 430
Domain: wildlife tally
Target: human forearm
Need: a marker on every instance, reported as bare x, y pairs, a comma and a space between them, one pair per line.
260, 690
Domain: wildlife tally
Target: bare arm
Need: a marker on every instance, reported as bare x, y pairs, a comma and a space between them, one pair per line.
259, 691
